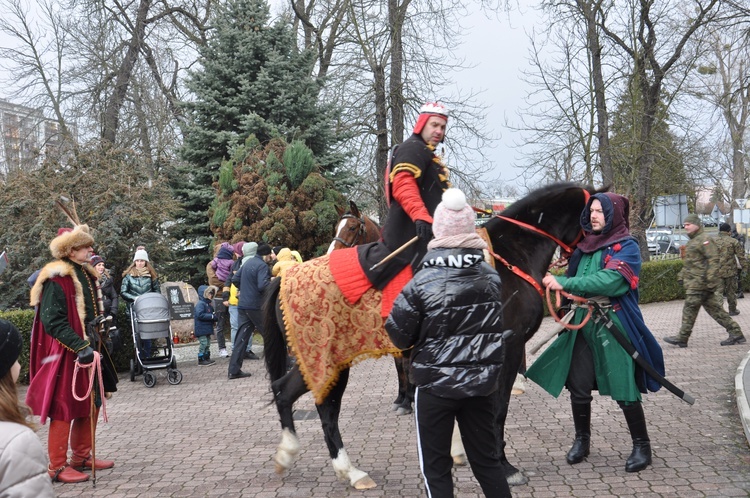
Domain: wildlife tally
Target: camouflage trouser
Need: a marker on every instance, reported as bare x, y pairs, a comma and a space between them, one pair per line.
728, 286
712, 303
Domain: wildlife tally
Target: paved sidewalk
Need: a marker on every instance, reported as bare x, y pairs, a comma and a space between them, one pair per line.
213, 437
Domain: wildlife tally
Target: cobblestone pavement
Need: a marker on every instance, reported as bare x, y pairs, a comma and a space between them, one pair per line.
210, 436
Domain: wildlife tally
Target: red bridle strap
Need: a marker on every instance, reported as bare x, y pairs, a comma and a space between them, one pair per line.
558, 303
565, 247
518, 272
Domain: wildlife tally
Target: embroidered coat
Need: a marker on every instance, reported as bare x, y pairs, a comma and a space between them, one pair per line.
64, 296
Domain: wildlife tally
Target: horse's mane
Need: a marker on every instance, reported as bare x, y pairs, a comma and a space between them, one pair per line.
530, 202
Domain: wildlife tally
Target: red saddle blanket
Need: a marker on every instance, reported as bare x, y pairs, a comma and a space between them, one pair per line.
325, 330
351, 279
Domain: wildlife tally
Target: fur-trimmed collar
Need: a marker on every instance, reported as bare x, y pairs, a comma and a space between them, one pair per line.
62, 268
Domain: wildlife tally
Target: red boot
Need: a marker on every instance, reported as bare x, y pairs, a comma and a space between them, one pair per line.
57, 447
80, 442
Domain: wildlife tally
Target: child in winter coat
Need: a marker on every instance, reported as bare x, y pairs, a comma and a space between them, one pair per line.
451, 315
203, 323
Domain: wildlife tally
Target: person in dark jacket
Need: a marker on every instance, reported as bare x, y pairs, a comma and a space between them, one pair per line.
451, 315
107, 284
203, 323
415, 180
251, 281
138, 279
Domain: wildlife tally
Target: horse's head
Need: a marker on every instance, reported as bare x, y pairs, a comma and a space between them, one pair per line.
524, 239
353, 228
530, 230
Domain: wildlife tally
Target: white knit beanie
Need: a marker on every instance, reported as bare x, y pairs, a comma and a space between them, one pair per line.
140, 254
453, 216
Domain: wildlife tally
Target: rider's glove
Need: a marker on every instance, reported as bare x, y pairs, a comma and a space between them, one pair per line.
424, 230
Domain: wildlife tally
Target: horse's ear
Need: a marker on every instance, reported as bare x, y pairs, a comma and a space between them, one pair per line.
339, 210
353, 208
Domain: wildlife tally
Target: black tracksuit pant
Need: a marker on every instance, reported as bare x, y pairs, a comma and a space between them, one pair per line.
435, 419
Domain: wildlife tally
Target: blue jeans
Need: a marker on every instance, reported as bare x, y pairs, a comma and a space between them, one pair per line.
234, 323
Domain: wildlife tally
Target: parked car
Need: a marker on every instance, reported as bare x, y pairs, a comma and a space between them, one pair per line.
653, 247
670, 243
709, 221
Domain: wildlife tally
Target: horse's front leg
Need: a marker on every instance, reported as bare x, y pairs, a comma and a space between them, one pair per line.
329, 417
286, 391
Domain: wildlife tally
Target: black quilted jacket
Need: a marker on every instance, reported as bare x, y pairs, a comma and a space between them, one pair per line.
450, 312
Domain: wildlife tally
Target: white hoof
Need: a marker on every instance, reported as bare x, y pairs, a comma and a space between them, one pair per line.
287, 451
365, 483
346, 471
404, 411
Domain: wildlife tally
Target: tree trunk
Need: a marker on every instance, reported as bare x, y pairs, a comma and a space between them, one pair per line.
594, 47
124, 74
396, 14
381, 133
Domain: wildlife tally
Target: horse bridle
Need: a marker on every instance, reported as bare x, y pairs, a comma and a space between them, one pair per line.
566, 249
360, 233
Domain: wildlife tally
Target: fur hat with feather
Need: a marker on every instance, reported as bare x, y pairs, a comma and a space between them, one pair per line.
68, 239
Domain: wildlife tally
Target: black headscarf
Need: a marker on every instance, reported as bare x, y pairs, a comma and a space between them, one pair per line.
616, 224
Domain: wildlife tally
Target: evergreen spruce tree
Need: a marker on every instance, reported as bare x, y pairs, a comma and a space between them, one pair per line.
252, 81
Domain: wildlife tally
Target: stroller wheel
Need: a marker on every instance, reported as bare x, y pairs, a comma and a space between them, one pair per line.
149, 379
132, 370
174, 377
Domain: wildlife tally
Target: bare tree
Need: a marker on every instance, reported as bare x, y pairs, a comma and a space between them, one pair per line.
637, 30
725, 84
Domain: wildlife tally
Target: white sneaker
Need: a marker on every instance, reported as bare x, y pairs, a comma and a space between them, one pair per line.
223, 353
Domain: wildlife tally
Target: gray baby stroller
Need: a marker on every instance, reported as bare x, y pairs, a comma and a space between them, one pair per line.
149, 317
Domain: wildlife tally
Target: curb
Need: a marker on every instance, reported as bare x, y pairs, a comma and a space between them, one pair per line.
742, 402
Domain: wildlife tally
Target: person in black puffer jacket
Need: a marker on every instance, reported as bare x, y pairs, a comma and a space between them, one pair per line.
450, 314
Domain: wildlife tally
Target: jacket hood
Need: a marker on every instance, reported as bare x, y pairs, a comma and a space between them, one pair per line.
226, 252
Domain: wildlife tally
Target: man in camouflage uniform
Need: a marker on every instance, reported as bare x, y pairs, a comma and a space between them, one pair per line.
700, 276
731, 256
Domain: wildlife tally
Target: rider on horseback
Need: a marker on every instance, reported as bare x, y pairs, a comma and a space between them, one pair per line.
414, 186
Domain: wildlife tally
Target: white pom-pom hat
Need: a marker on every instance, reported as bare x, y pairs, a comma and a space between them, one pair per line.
453, 216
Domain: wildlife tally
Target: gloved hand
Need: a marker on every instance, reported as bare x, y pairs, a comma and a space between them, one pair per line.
93, 326
424, 230
86, 355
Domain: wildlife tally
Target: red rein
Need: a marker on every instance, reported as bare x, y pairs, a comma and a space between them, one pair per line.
95, 368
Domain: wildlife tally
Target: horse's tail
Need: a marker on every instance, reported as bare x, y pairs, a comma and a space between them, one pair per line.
274, 342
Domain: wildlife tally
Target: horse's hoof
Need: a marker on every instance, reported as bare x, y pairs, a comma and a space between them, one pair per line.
459, 460
404, 411
365, 483
280, 469
516, 391
395, 407
517, 479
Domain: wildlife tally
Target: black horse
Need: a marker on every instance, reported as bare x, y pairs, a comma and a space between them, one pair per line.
524, 240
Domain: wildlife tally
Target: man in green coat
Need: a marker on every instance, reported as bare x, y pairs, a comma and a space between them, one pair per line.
700, 277
604, 267
731, 259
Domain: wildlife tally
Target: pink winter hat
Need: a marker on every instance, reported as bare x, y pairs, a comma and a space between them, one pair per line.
453, 216
237, 247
